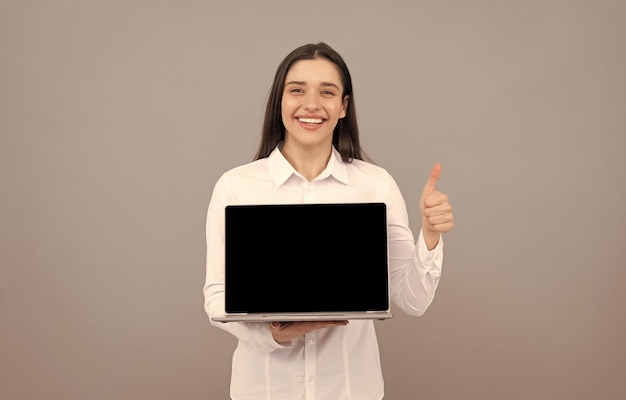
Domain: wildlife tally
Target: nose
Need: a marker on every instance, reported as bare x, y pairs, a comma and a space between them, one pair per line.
311, 101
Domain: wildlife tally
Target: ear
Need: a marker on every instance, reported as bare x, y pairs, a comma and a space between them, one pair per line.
344, 106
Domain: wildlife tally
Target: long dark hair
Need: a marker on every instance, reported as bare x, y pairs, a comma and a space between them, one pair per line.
346, 133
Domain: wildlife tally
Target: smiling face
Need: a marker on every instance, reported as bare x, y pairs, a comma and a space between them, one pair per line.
312, 104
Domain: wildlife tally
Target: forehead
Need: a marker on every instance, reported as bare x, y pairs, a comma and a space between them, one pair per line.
314, 71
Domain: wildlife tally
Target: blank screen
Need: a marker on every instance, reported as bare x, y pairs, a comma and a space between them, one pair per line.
306, 258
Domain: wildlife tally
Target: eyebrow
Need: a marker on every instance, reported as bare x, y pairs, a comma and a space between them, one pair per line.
302, 83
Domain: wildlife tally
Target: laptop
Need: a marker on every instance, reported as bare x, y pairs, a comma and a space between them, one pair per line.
306, 262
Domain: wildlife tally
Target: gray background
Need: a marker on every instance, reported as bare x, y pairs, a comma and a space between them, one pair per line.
117, 117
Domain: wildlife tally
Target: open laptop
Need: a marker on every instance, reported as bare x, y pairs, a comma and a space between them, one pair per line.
306, 262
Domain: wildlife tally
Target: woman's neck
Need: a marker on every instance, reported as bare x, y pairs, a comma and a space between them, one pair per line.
309, 162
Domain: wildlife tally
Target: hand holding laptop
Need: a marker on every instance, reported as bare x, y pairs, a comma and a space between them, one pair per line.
286, 331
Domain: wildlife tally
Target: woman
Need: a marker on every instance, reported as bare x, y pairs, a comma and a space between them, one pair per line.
310, 153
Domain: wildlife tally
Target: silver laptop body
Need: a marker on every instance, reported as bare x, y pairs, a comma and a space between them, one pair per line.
306, 262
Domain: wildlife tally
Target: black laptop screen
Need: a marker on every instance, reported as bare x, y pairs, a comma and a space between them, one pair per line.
301, 258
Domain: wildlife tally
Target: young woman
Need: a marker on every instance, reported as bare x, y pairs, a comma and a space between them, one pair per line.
310, 153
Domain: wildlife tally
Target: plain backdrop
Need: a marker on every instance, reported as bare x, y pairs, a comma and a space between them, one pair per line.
117, 117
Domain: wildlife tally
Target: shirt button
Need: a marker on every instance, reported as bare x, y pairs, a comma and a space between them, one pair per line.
311, 341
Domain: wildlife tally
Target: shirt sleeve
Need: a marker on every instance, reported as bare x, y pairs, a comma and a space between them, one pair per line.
414, 271
255, 333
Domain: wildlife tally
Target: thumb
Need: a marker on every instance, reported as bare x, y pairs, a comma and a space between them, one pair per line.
433, 178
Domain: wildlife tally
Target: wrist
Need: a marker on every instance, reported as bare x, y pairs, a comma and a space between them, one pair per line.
431, 238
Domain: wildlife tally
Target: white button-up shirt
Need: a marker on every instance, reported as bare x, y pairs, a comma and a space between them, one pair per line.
334, 363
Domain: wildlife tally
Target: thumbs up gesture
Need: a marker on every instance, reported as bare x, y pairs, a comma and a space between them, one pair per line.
436, 211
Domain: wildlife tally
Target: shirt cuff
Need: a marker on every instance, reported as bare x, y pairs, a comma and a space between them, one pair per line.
265, 338
432, 260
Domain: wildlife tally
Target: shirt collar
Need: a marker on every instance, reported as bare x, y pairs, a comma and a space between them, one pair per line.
280, 170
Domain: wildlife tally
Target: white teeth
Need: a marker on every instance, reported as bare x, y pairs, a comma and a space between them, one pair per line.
311, 120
